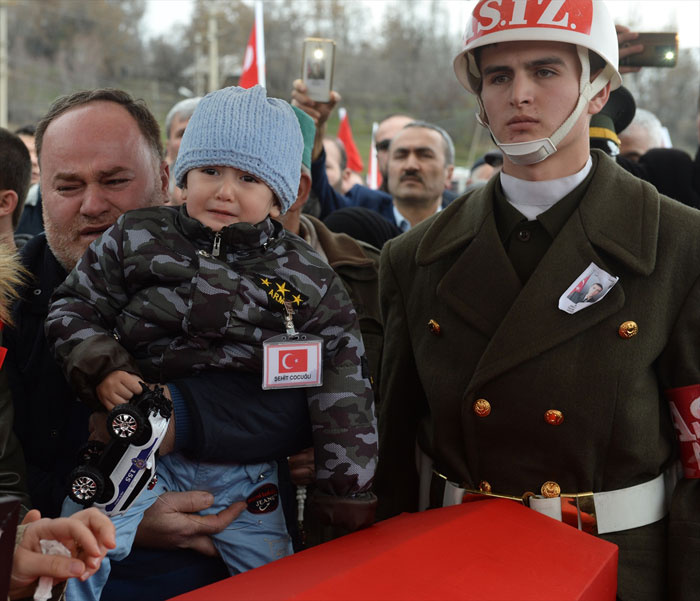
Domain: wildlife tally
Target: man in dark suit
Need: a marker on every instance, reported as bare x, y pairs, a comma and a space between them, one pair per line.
389, 204
505, 392
578, 296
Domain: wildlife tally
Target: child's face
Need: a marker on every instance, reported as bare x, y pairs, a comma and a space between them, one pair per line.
220, 196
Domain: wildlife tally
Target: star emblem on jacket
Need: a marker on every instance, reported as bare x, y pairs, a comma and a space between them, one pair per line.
280, 291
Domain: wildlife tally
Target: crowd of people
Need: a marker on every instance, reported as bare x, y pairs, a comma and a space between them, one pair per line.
449, 361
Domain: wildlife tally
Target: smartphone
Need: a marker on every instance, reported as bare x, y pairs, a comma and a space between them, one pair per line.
317, 63
660, 50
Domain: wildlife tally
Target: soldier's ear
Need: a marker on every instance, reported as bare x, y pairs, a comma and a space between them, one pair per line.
598, 101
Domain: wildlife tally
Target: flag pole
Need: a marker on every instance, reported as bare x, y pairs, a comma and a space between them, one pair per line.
372, 174
260, 42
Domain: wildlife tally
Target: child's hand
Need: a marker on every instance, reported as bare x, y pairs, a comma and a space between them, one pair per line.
117, 388
88, 535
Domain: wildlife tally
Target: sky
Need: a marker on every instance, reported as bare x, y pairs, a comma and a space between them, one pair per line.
652, 15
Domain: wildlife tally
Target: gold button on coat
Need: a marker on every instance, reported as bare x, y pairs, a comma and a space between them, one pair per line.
553, 417
482, 407
550, 490
434, 327
628, 329
484, 486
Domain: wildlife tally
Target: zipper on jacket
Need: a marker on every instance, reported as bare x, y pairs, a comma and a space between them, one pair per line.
217, 245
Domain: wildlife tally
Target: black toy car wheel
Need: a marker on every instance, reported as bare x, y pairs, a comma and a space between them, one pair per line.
86, 485
90, 452
126, 423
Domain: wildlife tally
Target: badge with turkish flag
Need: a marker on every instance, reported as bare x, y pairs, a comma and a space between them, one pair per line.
292, 361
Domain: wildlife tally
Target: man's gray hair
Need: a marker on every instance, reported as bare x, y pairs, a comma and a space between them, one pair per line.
650, 123
447, 140
183, 109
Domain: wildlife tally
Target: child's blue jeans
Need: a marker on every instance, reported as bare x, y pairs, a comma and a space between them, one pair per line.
258, 536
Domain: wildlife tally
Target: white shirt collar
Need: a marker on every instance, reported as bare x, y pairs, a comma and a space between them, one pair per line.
534, 198
404, 224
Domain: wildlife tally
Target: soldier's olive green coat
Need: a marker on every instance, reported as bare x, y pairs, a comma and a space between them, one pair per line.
510, 344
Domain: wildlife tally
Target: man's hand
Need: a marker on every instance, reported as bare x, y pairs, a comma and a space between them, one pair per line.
172, 522
117, 388
88, 535
301, 467
625, 37
318, 111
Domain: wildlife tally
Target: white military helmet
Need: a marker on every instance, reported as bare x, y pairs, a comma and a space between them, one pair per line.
585, 23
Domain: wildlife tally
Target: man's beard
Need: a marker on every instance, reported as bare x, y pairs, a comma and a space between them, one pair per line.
66, 243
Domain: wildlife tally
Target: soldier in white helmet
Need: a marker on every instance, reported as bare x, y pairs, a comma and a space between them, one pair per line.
503, 384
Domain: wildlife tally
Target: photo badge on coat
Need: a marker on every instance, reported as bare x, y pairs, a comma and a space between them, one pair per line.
587, 289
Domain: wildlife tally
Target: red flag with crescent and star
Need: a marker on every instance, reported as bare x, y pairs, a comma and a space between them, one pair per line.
254, 60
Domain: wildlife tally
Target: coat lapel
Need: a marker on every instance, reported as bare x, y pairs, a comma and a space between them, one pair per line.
481, 284
625, 228
534, 323
618, 232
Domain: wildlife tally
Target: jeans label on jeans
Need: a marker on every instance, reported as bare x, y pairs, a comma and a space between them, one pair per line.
264, 499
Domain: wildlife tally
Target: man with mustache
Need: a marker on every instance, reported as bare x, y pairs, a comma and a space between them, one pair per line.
420, 164
359, 196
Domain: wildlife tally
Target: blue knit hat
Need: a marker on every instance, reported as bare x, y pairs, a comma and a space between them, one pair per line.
245, 129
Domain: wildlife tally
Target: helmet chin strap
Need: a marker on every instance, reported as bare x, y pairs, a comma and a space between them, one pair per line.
535, 151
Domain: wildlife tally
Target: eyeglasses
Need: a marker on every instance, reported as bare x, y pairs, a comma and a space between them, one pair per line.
382, 146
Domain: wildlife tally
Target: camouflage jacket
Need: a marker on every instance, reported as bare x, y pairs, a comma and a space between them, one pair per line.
357, 265
162, 296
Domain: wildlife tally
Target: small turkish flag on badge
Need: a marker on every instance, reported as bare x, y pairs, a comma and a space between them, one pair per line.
292, 364
291, 361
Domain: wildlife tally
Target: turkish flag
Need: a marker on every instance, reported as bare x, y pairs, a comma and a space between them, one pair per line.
293, 361
580, 285
254, 61
345, 136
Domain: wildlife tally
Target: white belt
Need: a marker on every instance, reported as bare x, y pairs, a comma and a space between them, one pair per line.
600, 512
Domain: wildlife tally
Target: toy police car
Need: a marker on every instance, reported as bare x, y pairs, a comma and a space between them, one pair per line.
112, 476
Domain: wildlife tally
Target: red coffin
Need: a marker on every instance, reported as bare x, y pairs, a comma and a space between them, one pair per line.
486, 551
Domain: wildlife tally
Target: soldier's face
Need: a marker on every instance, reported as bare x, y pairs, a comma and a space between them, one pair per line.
220, 196
95, 165
529, 88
